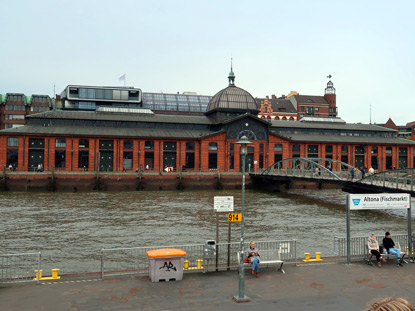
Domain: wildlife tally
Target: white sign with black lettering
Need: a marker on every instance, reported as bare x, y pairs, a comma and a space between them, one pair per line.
379, 201
223, 204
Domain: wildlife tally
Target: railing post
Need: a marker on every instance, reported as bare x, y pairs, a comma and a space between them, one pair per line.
102, 264
397, 180
39, 266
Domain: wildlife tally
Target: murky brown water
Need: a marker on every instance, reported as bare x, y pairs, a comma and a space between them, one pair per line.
71, 228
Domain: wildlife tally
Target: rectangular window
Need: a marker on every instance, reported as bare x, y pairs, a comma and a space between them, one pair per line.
277, 157
374, 150
83, 159
231, 161
128, 144
388, 162
169, 146
60, 143
106, 145
261, 147
278, 147
84, 143
36, 143
296, 148
190, 160
60, 156
388, 150
149, 144
149, 160
329, 149
12, 158
312, 149
213, 146
359, 150
213, 160
374, 159
403, 151
190, 145
345, 149
12, 142
128, 160
344, 159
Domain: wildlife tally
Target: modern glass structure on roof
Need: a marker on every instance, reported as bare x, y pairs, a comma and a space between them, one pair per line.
176, 102
81, 97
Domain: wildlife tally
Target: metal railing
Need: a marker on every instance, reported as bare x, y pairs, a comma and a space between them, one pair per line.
317, 168
134, 261
402, 179
358, 245
19, 267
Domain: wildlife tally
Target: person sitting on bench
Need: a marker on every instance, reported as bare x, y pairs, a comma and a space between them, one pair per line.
389, 245
373, 247
253, 255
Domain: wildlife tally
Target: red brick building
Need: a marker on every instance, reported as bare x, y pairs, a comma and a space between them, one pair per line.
294, 106
14, 107
126, 139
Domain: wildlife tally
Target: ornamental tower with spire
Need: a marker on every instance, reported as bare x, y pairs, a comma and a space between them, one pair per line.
330, 97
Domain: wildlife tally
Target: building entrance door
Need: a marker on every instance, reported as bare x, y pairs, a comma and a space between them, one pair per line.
249, 161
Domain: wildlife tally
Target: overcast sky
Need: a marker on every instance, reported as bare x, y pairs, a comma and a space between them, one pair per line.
176, 46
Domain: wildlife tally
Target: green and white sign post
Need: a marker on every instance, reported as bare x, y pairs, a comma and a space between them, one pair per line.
378, 201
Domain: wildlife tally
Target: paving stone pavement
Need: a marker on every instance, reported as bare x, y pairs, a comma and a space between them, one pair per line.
318, 286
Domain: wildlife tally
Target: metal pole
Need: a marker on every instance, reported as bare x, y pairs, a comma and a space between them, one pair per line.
217, 241
409, 228
229, 245
348, 228
241, 297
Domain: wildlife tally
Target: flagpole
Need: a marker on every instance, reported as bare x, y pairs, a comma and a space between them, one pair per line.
125, 78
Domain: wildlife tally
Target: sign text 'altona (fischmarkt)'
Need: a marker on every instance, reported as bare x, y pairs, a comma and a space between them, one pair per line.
379, 201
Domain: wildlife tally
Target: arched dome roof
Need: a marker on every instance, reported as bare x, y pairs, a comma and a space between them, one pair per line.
233, 98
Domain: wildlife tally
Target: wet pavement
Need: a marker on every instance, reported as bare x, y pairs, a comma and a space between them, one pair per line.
309, 286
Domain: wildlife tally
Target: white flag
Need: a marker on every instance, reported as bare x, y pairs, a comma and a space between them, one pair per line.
122, 78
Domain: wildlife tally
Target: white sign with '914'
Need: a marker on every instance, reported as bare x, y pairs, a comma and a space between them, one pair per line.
223, 204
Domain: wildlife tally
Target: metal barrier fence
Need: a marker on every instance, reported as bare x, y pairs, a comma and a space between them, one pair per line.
134, 261
358, 245
19, 267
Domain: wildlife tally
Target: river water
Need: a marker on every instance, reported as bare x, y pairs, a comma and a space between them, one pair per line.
70, 229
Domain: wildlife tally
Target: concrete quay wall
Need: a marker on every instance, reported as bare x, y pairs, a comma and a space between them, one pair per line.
117, 181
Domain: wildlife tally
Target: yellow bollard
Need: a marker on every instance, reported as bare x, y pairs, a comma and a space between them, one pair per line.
307, 256
38, 275
55, 274
186, 264
407, 250
199, 263
318, 256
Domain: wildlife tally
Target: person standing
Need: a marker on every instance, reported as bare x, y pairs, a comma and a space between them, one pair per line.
373, 247
389, 245
352, 173
253, 255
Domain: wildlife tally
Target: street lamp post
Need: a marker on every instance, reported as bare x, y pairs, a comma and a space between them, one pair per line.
241, 295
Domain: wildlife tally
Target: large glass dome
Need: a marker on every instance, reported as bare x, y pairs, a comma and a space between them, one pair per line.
233, 99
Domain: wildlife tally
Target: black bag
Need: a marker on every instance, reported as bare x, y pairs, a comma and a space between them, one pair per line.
381, 249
